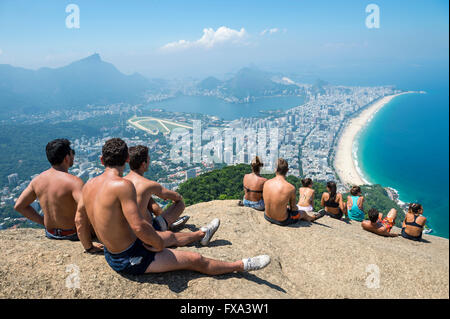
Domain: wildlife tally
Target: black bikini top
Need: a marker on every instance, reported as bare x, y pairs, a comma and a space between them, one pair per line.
331, 203
252, 191
413, 223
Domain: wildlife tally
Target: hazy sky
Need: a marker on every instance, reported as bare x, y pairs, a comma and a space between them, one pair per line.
180, 38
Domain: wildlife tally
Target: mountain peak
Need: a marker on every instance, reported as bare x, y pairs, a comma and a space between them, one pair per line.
93, 58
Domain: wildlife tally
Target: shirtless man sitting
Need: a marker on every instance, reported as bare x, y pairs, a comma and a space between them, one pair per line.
132, 246
59, 193
379, 225
280, 200
139, 163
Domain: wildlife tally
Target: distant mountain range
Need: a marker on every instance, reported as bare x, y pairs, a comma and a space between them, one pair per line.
87, 81
248, 82
96, 82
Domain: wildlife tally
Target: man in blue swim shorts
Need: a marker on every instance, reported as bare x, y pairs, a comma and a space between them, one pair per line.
132, 245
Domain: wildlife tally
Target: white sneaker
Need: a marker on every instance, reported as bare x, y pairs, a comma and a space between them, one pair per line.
209, 231
256, 263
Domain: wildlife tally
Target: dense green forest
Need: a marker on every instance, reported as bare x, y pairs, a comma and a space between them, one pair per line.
226, 183
23, 146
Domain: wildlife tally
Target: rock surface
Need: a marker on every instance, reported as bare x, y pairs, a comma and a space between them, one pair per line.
325, 259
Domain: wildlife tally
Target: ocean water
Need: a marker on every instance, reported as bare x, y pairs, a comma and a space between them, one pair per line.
406, 146
228, 111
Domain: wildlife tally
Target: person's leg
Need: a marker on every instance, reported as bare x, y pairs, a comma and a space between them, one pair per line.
170, 260
172, 213
392, 214
172, 239
304, 216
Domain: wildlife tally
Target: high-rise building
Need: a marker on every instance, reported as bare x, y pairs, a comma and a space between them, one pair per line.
190, 173
13, 179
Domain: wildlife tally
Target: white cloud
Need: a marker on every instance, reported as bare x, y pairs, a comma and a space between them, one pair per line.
1, 51
345, 45
271, 31
210, 39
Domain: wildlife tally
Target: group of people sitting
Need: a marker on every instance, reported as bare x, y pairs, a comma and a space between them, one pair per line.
117, 215
277, 198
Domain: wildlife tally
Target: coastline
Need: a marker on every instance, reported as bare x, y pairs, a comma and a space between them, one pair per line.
345, 163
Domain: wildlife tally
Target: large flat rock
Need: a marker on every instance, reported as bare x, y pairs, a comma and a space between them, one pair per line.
325, 259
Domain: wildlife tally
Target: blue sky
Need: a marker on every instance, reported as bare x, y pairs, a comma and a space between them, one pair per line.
197, 38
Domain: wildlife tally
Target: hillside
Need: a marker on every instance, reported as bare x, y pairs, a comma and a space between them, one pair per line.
326, 259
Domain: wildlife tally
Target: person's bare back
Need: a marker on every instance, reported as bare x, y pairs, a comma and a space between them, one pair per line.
101, 197
144, 191
278, 196
306, 197
253, 185
58, 192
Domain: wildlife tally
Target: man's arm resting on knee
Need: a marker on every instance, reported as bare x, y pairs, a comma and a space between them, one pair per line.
23, 205
141, 227
165, 193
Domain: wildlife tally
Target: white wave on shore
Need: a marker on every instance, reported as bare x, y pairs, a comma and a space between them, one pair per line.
346, 160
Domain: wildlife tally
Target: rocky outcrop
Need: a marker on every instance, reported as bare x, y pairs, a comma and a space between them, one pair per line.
325, 259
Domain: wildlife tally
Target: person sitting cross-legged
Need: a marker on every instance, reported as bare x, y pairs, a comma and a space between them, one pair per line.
253, 186
59, 193
332, 202
145, 189
355, 204
414, 222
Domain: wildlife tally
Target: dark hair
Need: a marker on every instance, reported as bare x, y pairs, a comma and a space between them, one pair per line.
355, 190
332, 187
138, 155
373, 215
256, 164
282, 166
414, 208
115, 152
306, 182
57, 150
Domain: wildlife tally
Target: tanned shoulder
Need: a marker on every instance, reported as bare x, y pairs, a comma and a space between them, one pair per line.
75, 180
152, 186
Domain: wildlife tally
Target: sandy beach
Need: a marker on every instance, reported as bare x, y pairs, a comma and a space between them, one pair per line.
344, 162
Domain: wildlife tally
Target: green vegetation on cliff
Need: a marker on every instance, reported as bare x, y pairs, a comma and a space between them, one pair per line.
226, 183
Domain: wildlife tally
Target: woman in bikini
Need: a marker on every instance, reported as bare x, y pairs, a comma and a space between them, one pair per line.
306, 196
253, 186
355, 204
332, 202
414, 222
